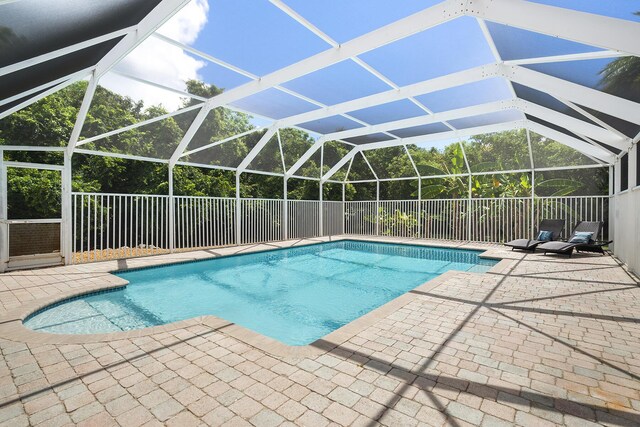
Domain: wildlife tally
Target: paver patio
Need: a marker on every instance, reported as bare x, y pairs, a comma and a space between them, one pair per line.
542, 340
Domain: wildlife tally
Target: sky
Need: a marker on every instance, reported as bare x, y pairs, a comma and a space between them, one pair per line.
257, 37
161, 62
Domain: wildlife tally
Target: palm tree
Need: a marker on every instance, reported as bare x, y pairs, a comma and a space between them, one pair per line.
622, 76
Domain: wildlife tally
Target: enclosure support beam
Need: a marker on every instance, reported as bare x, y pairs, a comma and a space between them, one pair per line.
576, 144
586, 28
258, 148
75, 77
172, 213
582, 95
82, 113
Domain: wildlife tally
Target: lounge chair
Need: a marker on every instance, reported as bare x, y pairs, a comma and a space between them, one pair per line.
555, 226
566, 248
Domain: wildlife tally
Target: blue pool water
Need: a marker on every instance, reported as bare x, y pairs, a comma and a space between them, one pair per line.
294, 295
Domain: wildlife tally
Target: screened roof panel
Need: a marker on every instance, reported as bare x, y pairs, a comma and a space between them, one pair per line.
18, 101
228, 154
255, 36
259, 37
157, 140
345, 20
516, 43
433, 161
34, 27
605, 74
212, 131
545, 100
37, 75
218, 75
330, 125
294, 144
146, 94
149, 62
392, 111
450, 47
622, 9
55, 112
498, 151
338, 83
569, 133
360, 170
311, 168
368, 139
480, 92
486, 119
269, 159
275, 104
420, 130
333, 151
627, 128
549, 153
399, 167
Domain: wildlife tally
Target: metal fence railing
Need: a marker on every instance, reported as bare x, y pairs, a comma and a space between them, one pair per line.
110, 226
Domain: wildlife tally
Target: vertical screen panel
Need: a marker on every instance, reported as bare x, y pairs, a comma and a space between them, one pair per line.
624, 172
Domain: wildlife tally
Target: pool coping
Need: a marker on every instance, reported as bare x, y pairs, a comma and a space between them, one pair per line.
12, 327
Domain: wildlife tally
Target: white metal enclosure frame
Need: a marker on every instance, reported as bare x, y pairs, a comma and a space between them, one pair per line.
616, 38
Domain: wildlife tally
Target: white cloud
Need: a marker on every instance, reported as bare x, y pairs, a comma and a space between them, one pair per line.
161, 62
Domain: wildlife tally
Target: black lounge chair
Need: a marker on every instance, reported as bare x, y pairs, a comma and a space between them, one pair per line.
554, 225
566, 248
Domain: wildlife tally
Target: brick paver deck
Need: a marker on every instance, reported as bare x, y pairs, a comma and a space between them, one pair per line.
540, 340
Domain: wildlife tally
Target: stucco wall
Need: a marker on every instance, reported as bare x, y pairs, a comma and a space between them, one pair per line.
627, 218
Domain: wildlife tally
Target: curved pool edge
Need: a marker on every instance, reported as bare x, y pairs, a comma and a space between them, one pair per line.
12, 326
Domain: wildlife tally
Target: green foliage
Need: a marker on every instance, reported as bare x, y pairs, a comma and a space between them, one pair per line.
24, 202
49, 122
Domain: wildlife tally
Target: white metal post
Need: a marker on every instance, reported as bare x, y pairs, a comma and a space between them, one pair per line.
171, 216
285, 210
320, 209
66, 232
469, 208
533, 203
238, 210
377, 207
419, 210
4, 227
320, 195
612, 206
533, 184
344, 194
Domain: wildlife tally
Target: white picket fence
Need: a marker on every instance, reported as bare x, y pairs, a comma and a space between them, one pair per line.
478, 220
110, 226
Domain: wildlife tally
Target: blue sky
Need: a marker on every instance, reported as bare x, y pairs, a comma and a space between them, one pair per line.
258, 37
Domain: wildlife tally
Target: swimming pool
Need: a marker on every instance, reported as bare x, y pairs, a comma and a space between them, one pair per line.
294, 295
